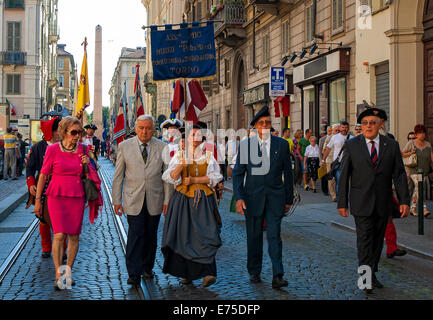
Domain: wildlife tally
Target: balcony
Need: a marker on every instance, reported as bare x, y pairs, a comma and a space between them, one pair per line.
13, 58
230, 31
14, 4
269, 6
53, 34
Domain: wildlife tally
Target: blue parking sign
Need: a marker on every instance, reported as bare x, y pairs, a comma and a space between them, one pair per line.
277, 83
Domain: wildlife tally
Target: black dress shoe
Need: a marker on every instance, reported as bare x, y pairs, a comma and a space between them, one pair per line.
368, 291
376, 283
278, 282
134, 281
397, 253
46, 255
148, 275
255, 278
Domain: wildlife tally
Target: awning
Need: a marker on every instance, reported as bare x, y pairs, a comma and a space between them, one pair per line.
284, 101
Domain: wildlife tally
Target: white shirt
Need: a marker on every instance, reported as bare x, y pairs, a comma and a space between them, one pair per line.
312, 152
337, 142
376, 144
267, 144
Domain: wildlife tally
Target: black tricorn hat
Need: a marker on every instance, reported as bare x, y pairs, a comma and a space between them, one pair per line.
91, 126
372, 112
263, 112
202, 125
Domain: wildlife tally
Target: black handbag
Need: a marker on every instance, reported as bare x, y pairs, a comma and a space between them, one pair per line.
90, 190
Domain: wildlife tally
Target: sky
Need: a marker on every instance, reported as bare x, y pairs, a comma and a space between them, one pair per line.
121, 22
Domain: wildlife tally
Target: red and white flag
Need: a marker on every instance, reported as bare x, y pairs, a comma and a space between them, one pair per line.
11, 108
195, 97
139, 109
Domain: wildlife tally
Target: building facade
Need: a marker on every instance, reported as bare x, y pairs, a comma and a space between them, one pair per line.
28, 50
66, 70
125, 72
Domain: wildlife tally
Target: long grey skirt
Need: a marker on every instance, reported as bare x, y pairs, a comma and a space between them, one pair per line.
191, 237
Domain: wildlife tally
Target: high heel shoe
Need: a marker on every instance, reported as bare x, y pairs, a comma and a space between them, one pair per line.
56, 286
426, 212
413, 212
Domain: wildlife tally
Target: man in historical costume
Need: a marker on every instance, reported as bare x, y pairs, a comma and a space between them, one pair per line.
34, 164
171, 135
371, 164
92, 143
261, 193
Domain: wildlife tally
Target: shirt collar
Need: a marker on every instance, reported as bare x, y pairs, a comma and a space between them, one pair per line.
267, 140
376, 140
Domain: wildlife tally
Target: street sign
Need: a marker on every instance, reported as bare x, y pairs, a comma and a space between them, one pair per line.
277, 83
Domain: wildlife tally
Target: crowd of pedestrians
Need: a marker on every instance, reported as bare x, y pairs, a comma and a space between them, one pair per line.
13, 150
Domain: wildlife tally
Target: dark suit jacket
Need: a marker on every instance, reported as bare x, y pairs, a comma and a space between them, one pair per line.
365, 188
269, 188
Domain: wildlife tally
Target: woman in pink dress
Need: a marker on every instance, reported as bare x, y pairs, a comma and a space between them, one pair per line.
64, 163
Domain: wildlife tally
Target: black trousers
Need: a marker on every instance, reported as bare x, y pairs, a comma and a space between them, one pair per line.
370, 232
142, 241
254, 226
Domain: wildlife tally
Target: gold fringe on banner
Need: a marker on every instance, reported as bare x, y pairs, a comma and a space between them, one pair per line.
198, 79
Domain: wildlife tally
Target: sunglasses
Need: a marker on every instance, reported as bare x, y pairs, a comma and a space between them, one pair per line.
264, 122
371, 123
75, 132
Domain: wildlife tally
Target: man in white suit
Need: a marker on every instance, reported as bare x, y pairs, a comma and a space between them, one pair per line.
140, 164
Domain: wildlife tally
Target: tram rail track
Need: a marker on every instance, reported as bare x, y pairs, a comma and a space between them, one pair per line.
142, 290
18, 248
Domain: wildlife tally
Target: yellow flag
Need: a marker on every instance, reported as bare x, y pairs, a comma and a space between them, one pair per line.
83, 99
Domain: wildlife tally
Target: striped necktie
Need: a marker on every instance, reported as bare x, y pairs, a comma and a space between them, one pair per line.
373, 155
144, 153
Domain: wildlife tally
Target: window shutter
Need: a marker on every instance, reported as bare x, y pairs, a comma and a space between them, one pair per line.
17, 83
340, 13
334, 14
308, 29
17, 46
10, 44
9, 86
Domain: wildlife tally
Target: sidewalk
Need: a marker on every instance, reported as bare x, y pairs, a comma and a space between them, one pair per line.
12, 194
319, 208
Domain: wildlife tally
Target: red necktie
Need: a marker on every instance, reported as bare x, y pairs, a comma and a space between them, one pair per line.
373, 155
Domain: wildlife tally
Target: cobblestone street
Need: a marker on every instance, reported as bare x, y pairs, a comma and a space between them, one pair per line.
319, 260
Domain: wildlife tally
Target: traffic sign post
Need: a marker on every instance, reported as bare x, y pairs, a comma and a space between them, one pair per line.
277, 83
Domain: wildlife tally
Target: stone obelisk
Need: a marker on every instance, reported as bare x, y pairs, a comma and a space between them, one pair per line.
97, 98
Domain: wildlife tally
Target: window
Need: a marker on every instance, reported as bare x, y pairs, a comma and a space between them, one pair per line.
265, 49
14, 36
227, 72
285, 38
13, 85
309, 24
382, 88
61, 80
337, 16
134, 70
61, 64
337, 100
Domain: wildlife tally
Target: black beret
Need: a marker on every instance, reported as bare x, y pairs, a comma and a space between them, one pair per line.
372, 112
263, 112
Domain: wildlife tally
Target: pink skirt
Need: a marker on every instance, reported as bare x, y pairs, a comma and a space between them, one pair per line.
66, 214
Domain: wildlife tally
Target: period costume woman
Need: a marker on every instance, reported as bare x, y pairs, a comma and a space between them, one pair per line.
191, 234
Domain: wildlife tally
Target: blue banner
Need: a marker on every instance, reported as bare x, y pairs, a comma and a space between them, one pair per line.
183, 53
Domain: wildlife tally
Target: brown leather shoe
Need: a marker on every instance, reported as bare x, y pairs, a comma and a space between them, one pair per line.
208, 281
185, 281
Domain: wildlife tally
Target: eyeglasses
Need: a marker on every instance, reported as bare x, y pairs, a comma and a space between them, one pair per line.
75, 132
412, 138
264, 123
358, 129
371, 123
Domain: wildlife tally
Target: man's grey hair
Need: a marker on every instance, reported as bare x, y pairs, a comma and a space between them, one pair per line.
146, 117
358, 125
335, 125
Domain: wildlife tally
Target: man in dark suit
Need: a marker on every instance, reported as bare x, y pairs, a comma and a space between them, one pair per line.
261, 193
371, 163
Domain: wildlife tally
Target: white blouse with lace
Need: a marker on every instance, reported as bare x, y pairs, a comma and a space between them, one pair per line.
213, 169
